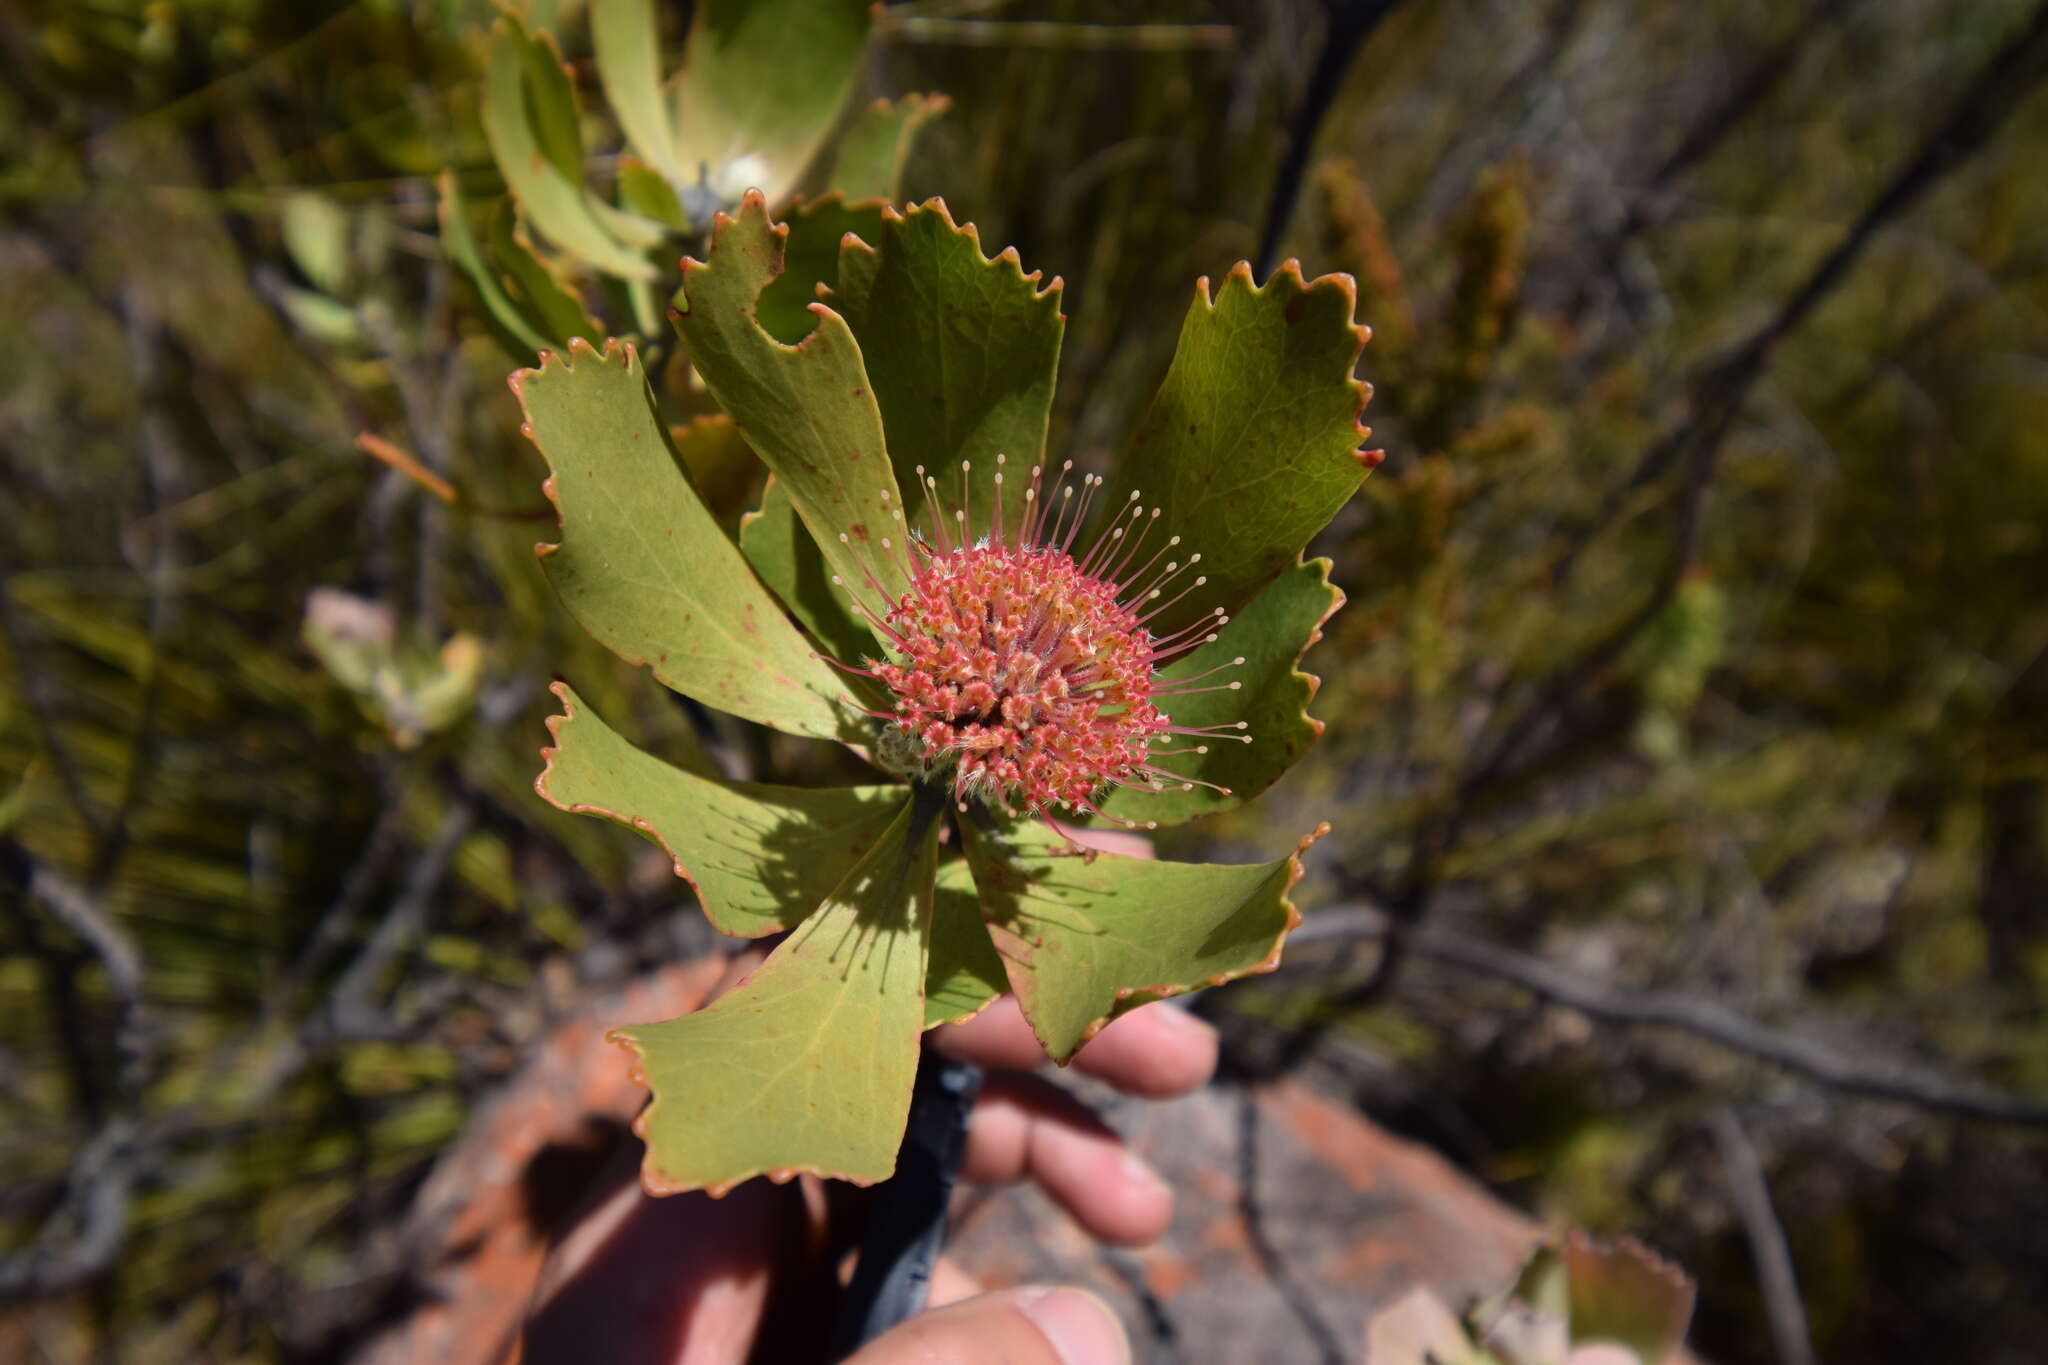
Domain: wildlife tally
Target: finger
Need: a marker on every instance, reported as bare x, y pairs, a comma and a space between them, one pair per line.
949, 1284
738, 968
1027, 1128
997, 1038
1115, 841
1029, 1326
676, 1281
1154, 1052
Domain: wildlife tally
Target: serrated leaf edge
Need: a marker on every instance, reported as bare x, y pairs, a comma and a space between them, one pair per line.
516, 381
1167, 989
1312, 684
659, 1187
1579, 1241
1290, 279
1007, 256
550, 752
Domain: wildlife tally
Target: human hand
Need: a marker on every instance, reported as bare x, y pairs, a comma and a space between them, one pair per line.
689, 1280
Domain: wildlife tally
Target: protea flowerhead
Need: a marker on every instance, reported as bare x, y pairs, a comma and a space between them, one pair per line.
1023, 669
1007, 638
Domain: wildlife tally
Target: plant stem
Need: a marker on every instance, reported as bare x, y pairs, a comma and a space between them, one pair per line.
907, 1220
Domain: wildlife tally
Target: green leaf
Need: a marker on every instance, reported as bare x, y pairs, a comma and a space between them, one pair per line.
325, 319
1625, 1294
760, 857
1087, 937
553, 201
964, 975
642, 190
793, 567
806, 1065
1252, 443
806, 409
810, 258
962, 350
548, 300
762, 84
628, 52
868, 162
1270, 633
642, 564
519, 332
720, 463
315, 231
551, 106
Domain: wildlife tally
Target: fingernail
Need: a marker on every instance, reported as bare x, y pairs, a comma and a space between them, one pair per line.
1080, 1326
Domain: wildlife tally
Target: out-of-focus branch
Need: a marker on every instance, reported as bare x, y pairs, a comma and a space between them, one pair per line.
1894, 1081
1724, 383
83, 1234
1349, 24
349, 1010
159, 463
1654, 203
33, 687
1767, 1245
1715, 396
70, 906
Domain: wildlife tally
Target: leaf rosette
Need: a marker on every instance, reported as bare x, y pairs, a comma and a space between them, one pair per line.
1021, 650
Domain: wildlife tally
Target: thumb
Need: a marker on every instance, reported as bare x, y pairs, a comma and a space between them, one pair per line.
1035, 1325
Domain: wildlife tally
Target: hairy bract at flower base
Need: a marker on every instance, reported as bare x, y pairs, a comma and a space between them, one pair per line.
1022, 647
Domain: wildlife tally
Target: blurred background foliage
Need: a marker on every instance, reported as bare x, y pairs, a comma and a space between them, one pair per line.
1688, 727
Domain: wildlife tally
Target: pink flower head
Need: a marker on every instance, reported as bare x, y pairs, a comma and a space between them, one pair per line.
1026, 671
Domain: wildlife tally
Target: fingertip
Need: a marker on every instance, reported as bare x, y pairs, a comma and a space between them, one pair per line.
1156, 1052
1027, 1128
1080, 1326
1145, 1207
1033, 1325
997, 1038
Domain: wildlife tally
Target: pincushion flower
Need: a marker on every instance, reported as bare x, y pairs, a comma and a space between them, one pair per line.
1018, 648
